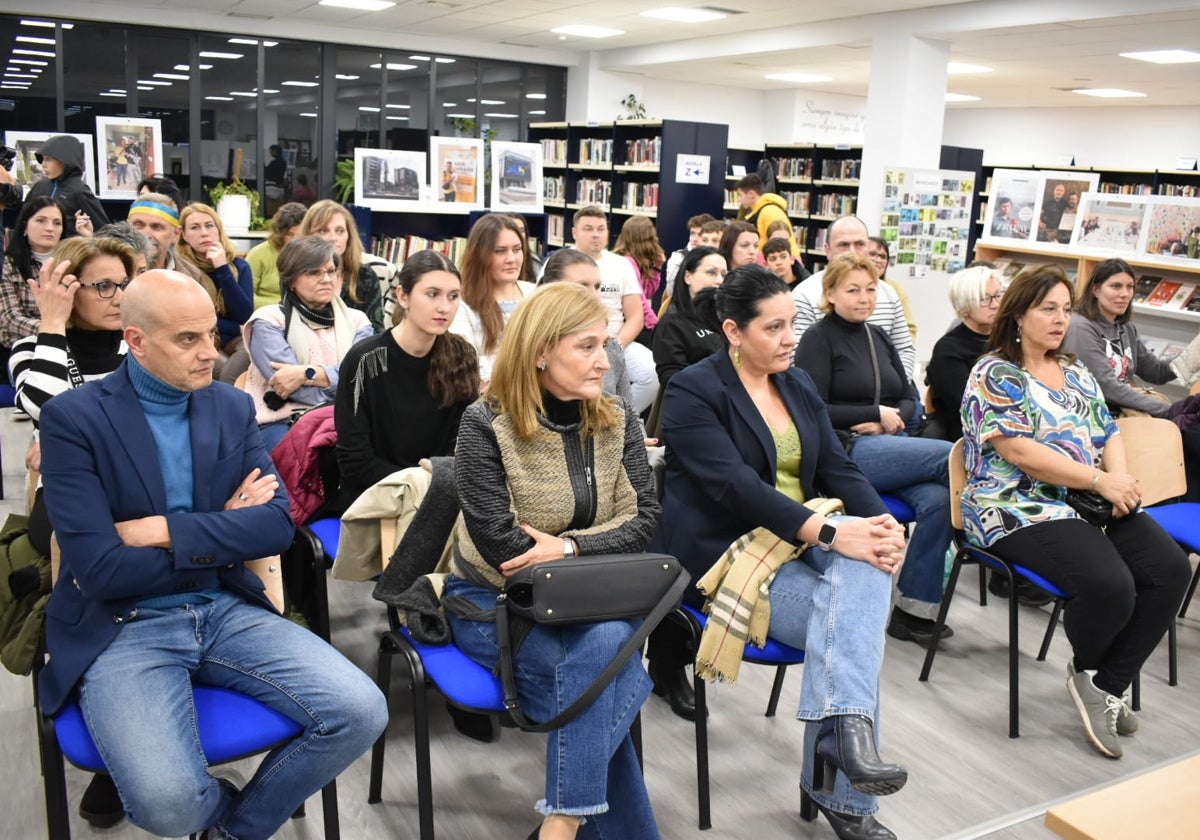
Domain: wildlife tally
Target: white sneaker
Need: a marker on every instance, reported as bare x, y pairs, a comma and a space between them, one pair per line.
1127, 722
1099, 711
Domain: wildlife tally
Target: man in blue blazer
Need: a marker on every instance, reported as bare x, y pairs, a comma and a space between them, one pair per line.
159, 490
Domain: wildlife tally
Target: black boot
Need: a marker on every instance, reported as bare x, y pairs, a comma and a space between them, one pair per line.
101, 804
671, 682
845, 826
847, 743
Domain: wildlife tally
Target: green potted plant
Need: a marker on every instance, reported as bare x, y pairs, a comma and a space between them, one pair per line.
343, 180
237, 205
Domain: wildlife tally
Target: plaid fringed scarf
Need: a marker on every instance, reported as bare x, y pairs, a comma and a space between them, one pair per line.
739, 605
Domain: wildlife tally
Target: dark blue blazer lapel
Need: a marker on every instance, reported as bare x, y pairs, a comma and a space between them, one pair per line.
745, 407
205, 429
131, 432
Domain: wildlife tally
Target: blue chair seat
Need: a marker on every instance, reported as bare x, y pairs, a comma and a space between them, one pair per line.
1028, 574
463, 680
773, 653
899, 508
1181, 521
232, 726
329, 532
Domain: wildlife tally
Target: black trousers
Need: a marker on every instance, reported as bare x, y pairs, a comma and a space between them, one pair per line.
1125, 586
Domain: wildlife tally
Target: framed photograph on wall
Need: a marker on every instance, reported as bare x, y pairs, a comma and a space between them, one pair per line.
1109, 222
517, 177
26, 167
456, 172
388, 179
130, 150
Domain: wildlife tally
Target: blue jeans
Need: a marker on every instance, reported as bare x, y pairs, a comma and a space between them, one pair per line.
917, 471
591, 767
137, 701
836, 609
272, 433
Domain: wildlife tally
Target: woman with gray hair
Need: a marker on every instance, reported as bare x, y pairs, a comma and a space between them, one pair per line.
145, 249
296, 346
975, 294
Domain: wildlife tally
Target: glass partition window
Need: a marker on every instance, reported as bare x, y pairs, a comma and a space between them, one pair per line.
290, 122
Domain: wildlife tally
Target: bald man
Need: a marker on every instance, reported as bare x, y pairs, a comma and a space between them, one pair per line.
160, 490
849, 235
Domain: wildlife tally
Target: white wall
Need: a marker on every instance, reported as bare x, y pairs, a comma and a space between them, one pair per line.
1112, 138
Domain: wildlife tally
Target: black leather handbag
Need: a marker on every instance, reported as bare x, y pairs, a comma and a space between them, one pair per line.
1091, 506
601, 587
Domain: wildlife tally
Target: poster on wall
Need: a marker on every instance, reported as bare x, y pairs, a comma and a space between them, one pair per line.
388, 179
926, 219
456, 172
1109, 222
1010, 209
517, 177
27, 169
1173, 230
130, 150
1058, 204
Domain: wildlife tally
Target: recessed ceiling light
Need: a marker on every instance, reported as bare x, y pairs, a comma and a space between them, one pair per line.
300, 84
345, 77
179, 77
462, 116
48, 24
43, 53
420, 58
535, 96
247, 93
144, 87
536, 113
449, 104
153, 82
1164, 56
392, 66
370, 109
503, 116
682, 15
400, 119
221, 98
445, 60
32, 62
252, 42
958, 68
961, 97
12, 74
270, 90
401, 107
798, 78
116, 90
114, 95
362, 5
183, 68
31, 39
307, 114
583, 30
1108, 93
210, 54
492, 102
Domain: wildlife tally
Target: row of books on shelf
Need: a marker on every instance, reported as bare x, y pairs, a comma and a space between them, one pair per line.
644, 152
641, 195
794, 168
841, 170
1116, 188
797, 202
397, 249
594, 151
554, 150
1126, 189
593, 191
555, 188
555, 226
1168, 294
836, 204
1010, 268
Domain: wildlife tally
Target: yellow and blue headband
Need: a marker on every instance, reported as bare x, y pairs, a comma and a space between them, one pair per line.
153, 208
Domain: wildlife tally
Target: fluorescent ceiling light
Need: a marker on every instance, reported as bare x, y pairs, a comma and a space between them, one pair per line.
270, 90
535, 96
1164, 56
462, 116
252, 42
220, 98
116, 90
957, 68
682, 15
12, 74
144, 87
179, 77
420, 58
345, 77
211, 54
114, 95
583, 30
307, 114
401, 119
492, 102
48, 24
44, 53
370, 109
363, 5
246, 93
1108, 93
31, 39
445, 60
392, 66
153, 82
183, 68
502, 116
32, 62
961, 97
402, 107
449, 104
536, 113
798, 78
300, 84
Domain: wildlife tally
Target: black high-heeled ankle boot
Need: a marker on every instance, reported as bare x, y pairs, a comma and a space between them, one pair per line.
847, 743
845, 826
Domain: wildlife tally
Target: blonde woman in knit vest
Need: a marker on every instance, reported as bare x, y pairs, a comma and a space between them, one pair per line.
548, 467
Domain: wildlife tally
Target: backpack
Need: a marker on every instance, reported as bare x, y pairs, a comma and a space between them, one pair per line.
24, 591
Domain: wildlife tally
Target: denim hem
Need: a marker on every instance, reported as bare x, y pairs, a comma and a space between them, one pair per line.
920, 609
545, 809
819, 715
838, 807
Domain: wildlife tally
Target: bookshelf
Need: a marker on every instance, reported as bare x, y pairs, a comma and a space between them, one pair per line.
1159, 326
748, 159
395, 236
629, 168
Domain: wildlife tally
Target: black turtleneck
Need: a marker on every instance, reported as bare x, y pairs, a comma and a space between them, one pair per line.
560, 412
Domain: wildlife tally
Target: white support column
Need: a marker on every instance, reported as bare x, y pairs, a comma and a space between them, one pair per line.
905, 109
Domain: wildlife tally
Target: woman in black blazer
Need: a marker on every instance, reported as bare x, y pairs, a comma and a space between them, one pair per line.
748, 441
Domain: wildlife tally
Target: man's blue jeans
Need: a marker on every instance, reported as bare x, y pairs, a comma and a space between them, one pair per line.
137, 701
917, 471
591, 767
836, 610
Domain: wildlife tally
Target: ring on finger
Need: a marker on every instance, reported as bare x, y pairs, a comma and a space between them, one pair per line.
243, 497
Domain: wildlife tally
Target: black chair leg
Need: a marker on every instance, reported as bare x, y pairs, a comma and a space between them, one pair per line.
329, 807
1172, 655
776, 688
1187, 599
635, 732
421, 743
983, 593
54, 782
1136, 691
702, 789
383, 679
941, 619
1014, 661
1054, 616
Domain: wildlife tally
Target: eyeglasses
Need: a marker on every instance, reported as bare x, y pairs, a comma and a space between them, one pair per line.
318, 273
988, 300
107, 289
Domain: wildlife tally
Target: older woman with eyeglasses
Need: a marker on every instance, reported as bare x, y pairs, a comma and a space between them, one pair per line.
296, 346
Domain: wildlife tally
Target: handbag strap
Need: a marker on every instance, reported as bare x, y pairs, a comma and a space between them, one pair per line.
513, 704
